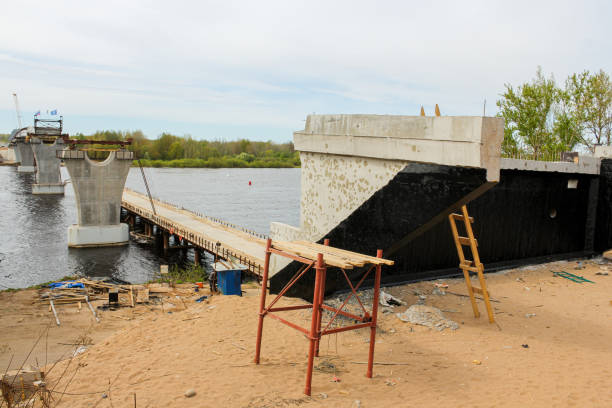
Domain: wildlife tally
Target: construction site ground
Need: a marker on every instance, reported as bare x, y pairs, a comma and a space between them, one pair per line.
550, 347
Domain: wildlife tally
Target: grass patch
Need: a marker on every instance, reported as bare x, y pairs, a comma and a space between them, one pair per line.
176, 275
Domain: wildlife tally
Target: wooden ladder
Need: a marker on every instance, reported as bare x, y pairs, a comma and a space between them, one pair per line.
466, 265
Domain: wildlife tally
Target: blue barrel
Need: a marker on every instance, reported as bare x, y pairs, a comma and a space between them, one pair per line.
228, 280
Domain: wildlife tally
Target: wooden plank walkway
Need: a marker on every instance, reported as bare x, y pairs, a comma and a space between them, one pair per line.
202, 232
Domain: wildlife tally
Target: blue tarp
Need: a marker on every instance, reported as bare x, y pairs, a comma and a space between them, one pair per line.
66, 284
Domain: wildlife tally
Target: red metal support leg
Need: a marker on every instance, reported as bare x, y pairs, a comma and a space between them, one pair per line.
322, 297
316, 309
374, 315
262, 300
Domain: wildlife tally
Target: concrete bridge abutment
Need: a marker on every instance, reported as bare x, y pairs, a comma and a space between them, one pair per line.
98, 188
373, 182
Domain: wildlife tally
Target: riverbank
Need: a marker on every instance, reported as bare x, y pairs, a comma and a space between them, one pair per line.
549, 348
220, 163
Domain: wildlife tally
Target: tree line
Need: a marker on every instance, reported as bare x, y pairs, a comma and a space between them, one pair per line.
169, 150
543, 119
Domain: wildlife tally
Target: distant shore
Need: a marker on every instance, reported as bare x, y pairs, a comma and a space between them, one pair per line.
219, 162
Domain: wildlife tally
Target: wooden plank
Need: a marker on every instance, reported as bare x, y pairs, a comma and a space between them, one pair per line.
334, 257
311, 254
54, 312
327, 250
344, 253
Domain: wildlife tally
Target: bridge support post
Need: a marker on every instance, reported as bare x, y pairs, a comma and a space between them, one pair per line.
26, 157
196, 256
166, 240
48, 176
98, 188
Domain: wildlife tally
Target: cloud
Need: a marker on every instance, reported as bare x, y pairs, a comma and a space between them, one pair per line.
271, 63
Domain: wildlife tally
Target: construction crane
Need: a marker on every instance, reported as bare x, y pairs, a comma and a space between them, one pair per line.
17, 109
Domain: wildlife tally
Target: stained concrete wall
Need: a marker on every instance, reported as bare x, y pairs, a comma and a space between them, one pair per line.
98, 186
47, 162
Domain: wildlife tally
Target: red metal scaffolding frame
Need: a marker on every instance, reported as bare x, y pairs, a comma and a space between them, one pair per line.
315, 333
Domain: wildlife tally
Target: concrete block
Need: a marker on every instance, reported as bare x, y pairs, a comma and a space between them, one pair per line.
98, 236
48, 188
585, 165
603, 152
447, 140
26, 169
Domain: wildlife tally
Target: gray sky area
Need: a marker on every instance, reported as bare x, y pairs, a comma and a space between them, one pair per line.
230, 69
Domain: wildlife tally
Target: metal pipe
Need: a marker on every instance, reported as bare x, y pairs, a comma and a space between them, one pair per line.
322, 296
316, 309
288, 323
262, 301
379, 254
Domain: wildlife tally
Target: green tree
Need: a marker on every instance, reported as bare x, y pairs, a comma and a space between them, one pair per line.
527, 111
591, 98
176, 151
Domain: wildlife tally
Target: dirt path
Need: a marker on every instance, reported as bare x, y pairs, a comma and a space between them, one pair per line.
551, 348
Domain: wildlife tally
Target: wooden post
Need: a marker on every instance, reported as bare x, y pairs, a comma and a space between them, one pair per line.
196, 256
379, 254
166, 239
316, 309
262, 300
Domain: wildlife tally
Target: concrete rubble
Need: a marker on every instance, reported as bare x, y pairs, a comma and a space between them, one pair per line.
427, 316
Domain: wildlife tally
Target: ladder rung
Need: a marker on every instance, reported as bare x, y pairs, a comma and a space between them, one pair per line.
480, 291
460, 217
469, 267
466, 241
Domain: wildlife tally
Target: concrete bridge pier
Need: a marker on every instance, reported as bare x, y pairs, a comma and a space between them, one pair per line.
48, 176
26, 157
98, 188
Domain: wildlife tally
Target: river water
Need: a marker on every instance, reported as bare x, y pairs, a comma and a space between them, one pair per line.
33, 228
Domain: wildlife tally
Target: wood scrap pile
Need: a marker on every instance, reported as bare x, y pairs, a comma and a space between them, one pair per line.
19, 387
86, 290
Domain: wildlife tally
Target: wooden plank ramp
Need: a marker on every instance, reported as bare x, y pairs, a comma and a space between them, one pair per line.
200, 231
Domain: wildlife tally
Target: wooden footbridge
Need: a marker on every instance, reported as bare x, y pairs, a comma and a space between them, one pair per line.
196, 230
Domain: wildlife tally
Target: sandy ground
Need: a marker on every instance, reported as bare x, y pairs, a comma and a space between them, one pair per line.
209, 347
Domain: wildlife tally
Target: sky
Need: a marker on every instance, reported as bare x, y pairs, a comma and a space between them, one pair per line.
245, 69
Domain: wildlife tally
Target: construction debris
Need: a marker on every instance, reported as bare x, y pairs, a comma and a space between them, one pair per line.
427, 316
19, 386
388, 300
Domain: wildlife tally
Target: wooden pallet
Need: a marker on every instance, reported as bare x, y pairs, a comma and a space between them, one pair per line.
470, 266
